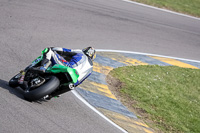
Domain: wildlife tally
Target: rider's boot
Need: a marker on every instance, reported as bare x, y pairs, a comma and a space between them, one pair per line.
44, 65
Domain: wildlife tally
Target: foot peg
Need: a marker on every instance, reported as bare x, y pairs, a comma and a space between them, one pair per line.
71, 86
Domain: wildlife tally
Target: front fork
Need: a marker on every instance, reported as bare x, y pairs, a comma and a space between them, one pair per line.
23, 73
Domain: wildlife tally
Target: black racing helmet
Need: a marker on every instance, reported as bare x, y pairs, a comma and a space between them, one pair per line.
90, 51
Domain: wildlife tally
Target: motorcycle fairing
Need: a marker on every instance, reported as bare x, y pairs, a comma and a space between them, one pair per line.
57, 68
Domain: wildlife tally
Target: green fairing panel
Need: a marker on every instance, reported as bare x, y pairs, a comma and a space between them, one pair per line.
62, 69
45, 50
38, 59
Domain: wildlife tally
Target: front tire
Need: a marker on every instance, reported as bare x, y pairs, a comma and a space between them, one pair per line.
14, 81
47, 88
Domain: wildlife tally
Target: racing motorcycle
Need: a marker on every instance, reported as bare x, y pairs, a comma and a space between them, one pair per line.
56, 80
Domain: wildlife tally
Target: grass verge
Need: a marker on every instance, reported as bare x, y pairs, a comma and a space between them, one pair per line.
168, 95
191, 7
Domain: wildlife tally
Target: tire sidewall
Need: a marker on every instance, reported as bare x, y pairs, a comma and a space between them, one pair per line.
47, 88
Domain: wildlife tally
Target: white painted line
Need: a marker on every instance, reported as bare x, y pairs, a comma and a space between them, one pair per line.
95, 110
161, 9
120, 51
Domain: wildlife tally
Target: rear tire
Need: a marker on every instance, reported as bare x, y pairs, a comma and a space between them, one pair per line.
14, 81
47, 88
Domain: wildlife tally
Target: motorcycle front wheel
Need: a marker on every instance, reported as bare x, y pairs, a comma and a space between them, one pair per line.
14, 81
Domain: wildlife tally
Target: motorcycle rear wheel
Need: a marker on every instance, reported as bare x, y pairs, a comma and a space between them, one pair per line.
45, 89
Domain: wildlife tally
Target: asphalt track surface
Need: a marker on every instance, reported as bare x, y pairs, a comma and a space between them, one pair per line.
28, 26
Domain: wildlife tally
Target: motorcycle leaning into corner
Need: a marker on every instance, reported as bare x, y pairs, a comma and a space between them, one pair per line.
56, 80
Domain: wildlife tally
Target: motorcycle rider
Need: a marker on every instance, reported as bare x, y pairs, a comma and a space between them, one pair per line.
77, 59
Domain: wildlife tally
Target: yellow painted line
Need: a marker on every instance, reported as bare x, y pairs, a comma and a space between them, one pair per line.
105, 89
130, 124
101, 69
97, 88
174, 62
86, 85
121, 58
147, 131
128, 120
130, 61
121, 117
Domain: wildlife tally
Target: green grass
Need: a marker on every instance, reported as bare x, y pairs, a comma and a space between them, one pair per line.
191, 7
169, 95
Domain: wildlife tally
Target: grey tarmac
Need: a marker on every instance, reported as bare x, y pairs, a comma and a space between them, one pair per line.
29, 26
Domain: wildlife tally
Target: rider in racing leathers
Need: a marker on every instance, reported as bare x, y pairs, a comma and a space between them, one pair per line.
77, 59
